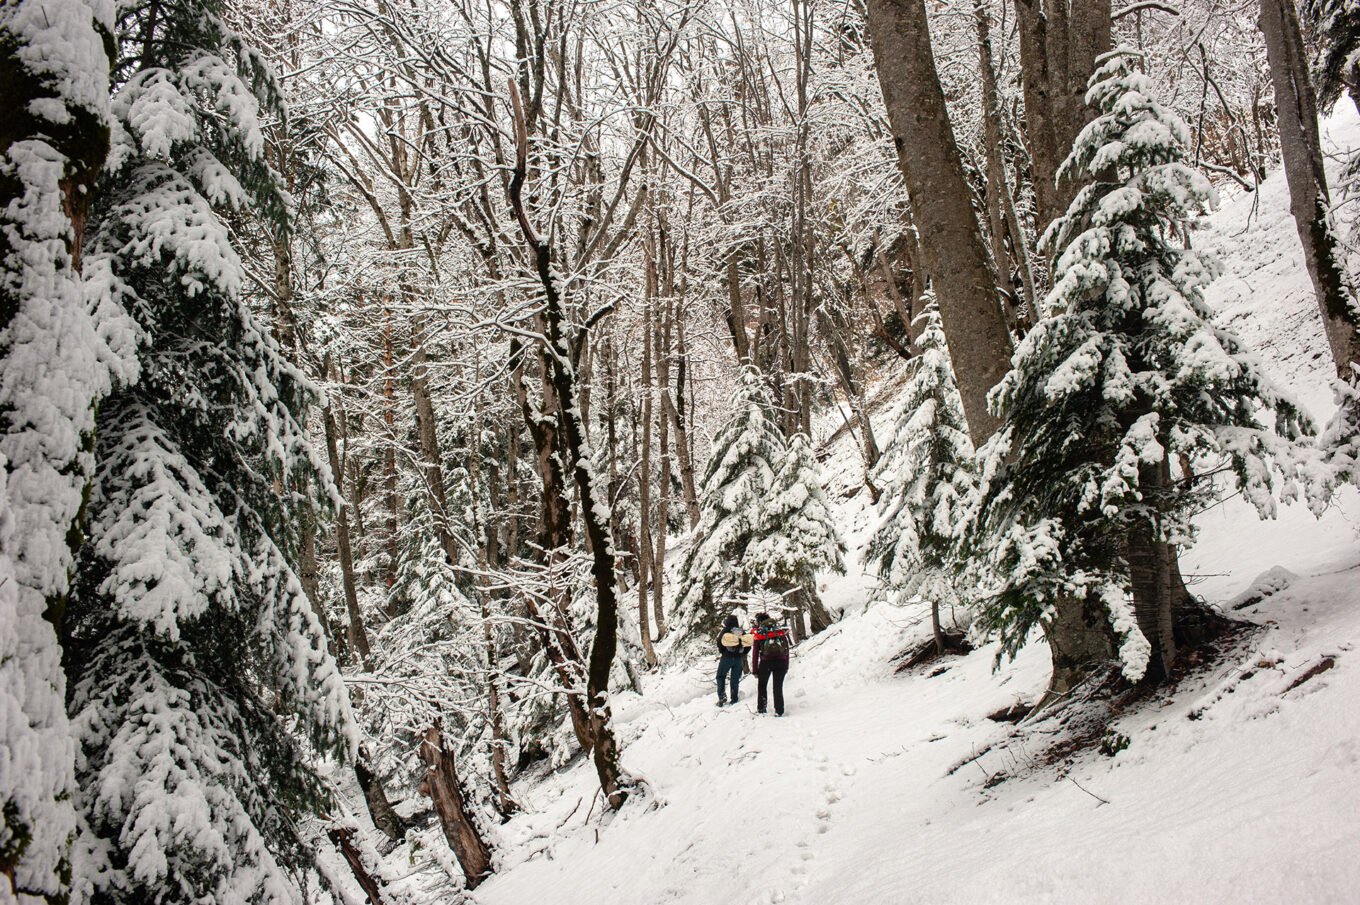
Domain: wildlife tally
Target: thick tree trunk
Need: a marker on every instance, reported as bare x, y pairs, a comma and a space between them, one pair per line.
427, 432
1080, 642
819, 619
1059, 43
1151, 561
1150, 574
941, 204
442, 785
1309, 201
614, 782
736, 314
554, 633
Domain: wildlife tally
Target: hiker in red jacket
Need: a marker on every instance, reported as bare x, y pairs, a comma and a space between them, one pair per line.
770, 657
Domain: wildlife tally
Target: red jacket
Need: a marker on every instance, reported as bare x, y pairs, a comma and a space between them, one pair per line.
760, 635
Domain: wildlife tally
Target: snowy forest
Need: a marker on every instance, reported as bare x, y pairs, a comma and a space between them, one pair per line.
398, 396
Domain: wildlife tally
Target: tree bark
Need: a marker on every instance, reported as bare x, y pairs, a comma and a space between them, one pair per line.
662, 358
675, 409
555, 634
941, 204
999, 198
1059, 43
442, 785
935, 630
342, 838
1151, 562
358, 633
390, 460
505, 801
1080, 641
1309, 200
375, 797
819, 619
614, 782
644, 539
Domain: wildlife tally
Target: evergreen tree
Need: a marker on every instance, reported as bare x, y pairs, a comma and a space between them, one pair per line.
1334, 26
928, 478
202, 688
797, 536
1340, 445
61, 347
741, 470
1125, 375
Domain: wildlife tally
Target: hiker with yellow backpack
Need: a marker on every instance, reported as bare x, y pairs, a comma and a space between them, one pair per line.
733, 643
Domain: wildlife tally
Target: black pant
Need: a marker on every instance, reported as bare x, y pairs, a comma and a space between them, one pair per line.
729, 670
776, 668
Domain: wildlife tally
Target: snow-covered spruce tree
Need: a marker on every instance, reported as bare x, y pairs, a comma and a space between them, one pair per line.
1125, 375
928, 477
1340, 444
741, 470
61, 346
1335, 27
797, 537
202, 688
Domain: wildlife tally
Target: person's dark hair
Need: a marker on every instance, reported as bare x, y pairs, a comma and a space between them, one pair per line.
730, 622
762, 617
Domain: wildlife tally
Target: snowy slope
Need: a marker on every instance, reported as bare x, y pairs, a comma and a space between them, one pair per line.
1243, 786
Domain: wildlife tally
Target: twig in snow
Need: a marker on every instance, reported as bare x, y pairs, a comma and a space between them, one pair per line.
593, 798
573, 811
1087, 791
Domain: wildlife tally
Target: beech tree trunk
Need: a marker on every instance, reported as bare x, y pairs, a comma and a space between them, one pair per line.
442, 785
676, 410
663, 439
554, 633
1309, 200
941, 204
1168, 615
1000, 203
1150, 575
358, 632
644, 538
1059, 43
614, 782
1080, 641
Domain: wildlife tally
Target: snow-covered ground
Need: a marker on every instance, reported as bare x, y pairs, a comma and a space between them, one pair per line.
1243, 785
